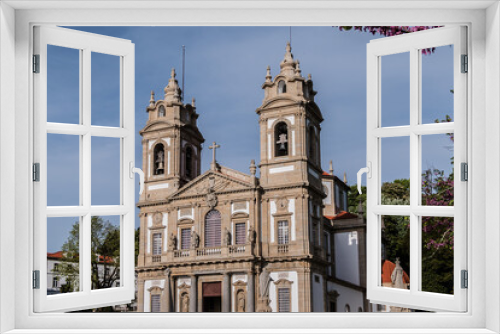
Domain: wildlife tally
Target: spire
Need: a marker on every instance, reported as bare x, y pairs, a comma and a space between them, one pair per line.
331, 167
193, 102
253, 168
345, 178
309, 77
152, 99
268, 75
172, 91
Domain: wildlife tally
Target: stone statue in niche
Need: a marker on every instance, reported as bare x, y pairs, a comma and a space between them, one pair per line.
240, 301
172, 242
185, 303
263, 302
195, 240
227, 237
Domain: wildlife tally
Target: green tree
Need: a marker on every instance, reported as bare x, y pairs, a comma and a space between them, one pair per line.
105, 255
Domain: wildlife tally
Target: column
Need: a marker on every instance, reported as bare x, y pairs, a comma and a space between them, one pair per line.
167, 291
140, 295
250, 292
226, 293
193, 295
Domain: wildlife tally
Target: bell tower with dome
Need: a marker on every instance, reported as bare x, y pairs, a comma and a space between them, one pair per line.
171, 143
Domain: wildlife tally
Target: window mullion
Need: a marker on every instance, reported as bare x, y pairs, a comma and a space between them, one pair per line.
85, 163
415, 262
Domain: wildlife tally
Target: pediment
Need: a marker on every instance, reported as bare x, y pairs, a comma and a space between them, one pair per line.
281, 101
156, 125
211, 182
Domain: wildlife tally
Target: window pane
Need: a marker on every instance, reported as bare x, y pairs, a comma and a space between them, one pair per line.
157, 243
105, 90
395, 91
437, 170
437, 254
395, 169
437, 85
395, 251
106, 171
284, 299
63, 170
283, 234
63, 85
212, 229
155, 303
105, 252
63, 255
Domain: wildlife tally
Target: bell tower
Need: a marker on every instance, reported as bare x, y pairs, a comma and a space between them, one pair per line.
171, 143
289, 127
290, 160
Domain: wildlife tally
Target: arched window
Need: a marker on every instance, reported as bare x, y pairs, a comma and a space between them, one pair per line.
189, 162
281, 87
213, 229
347, 308
281, 139
312, 144
159, 160
161, 111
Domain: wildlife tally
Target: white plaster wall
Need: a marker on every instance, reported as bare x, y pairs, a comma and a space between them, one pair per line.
318, 294
147, 295
348, 296
346, 258
235, 278
291, 208
293, 277
293, 141
150, 223
272, 209
165, 236
269, 146
166, 140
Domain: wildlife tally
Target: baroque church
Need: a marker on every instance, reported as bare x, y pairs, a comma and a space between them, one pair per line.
228, 241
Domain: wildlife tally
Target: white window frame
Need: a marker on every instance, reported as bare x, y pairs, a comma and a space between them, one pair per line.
414, 131
483, 19
86, 44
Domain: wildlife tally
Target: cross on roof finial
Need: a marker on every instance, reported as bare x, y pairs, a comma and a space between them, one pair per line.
213, 147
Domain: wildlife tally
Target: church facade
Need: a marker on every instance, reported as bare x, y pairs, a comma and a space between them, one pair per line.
229, 241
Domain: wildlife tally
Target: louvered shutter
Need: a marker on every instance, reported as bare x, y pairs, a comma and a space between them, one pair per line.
212, 229
240, 233
185, 238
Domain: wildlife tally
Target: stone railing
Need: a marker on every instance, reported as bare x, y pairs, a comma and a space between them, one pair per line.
283, 248
209, 251
181, 253
236, 249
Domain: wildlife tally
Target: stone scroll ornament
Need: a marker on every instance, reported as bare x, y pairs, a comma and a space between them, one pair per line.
264, 282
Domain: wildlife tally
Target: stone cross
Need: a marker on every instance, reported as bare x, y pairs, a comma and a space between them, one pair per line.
214, 147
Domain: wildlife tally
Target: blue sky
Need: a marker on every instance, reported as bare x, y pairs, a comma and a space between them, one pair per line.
225, 68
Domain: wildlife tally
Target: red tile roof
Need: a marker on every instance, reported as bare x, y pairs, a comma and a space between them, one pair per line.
56, 255
388, 268
326, 174
342, 215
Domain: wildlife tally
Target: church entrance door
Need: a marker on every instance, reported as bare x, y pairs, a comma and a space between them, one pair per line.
212, 297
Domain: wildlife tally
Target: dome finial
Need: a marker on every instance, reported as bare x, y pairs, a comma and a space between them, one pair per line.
297, 69
331, 167
288, 47
172, 73
193, 102
268, 75
152, 99
309, 76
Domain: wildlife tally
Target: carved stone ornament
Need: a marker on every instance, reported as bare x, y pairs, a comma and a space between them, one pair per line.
211, 199
157, 218
282, 204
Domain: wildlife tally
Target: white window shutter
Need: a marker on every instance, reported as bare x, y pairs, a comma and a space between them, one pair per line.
84, 297
414, 297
